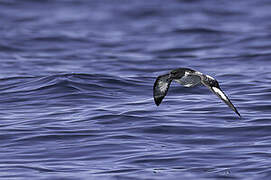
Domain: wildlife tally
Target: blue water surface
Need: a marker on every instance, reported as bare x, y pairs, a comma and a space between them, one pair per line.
76, 81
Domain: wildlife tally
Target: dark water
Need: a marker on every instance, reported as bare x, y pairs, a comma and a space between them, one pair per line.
76, 83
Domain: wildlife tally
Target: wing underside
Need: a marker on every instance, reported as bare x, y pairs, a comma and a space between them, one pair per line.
223, 97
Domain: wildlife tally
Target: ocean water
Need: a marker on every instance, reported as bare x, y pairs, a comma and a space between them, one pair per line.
76, 81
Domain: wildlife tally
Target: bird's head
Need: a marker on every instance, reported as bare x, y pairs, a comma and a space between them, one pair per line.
176, 74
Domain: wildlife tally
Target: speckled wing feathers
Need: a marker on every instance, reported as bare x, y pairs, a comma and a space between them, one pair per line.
160, 88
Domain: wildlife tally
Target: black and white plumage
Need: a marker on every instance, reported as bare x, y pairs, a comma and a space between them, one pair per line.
188, 78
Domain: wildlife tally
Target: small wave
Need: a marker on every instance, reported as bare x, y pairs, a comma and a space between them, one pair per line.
199, 31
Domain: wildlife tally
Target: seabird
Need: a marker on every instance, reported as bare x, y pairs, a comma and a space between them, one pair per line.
188, 78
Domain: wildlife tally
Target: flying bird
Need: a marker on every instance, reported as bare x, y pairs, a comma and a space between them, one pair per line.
188, 78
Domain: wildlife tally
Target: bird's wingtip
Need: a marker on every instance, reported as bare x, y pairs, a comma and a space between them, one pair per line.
157, 101
238, 114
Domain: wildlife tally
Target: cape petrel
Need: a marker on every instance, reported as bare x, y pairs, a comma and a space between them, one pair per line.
188, 78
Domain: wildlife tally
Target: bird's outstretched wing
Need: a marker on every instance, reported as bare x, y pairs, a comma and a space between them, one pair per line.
222, 95
160, 88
